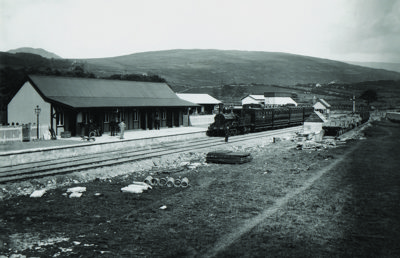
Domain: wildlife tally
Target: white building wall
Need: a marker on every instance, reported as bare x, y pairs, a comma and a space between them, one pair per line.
279, 101
201, 120
309, 127
21, 108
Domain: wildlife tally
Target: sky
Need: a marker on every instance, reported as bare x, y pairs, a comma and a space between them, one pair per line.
346, 30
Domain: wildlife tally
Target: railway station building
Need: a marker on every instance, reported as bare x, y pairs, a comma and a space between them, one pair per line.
77, 105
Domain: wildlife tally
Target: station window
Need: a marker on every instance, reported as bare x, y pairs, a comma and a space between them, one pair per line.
135, 116
106, 117
164, 115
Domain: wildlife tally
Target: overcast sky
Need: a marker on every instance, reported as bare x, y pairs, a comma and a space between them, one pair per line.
348, 30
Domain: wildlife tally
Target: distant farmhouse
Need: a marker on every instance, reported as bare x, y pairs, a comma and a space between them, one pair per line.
270, 99
76, 104
321, 106
253, 99
207, 104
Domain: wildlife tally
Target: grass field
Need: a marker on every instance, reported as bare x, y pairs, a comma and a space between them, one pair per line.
339, 201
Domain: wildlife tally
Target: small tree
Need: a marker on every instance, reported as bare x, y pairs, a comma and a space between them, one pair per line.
369, 96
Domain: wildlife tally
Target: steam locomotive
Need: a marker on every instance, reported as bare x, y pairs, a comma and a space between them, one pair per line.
252, 118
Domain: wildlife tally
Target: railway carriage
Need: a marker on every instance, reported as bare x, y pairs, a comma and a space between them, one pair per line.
297, 115
281, 117
252, 118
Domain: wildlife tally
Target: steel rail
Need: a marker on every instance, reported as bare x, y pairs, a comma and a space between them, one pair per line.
102, 159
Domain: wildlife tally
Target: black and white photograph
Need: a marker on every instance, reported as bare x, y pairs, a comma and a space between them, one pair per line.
199, 128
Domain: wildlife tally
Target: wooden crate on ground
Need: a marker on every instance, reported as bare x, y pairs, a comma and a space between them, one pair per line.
228, 157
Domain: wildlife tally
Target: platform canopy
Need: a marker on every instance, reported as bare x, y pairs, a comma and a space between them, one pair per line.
88, 92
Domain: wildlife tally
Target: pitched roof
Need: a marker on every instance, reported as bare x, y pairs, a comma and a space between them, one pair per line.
323, 102
87, 92
198, 98
256, 97
316, 117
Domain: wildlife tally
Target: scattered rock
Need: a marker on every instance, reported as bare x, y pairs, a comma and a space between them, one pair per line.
76, 192
135, 188
75, 195
78, 189
38, 193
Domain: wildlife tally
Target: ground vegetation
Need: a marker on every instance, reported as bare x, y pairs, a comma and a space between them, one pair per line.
338, 199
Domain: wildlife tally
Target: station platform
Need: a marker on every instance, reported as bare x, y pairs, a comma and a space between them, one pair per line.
142, 134
21, 152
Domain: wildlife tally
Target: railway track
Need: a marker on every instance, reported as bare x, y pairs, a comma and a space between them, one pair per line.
101, 159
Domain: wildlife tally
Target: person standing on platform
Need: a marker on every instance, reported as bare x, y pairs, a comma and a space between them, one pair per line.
157, 122
226, 133
113, 125
122, 129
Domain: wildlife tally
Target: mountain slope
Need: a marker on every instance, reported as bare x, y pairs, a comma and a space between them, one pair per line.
215, 67
228, 75
380, 65
36, 51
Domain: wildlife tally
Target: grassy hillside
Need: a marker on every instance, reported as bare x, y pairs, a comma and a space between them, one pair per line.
380, 65
231, 75
36, 51
227, 75
32, 61
194, 68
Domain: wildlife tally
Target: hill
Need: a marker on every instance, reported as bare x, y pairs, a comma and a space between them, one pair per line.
194, 68
30, 61
380, 65
227, 75
36, 51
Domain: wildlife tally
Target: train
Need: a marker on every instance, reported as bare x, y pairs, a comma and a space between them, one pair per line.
252, 118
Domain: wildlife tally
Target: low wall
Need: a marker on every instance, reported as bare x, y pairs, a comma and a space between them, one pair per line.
201, 120
14, 133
